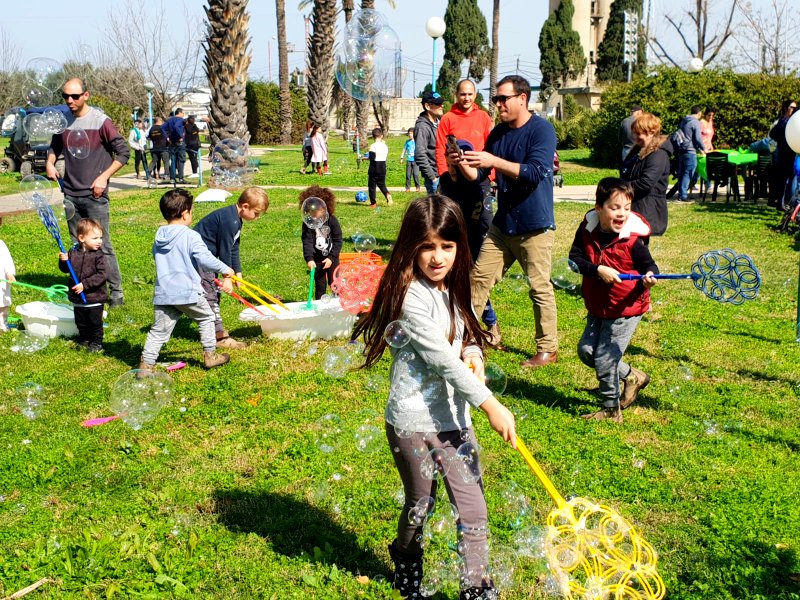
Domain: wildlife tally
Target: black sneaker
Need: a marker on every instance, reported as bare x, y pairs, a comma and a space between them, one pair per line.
94, 348
115, 302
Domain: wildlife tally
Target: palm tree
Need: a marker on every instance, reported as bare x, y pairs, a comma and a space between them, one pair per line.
495, 56
226, 64
283, 75
321, 60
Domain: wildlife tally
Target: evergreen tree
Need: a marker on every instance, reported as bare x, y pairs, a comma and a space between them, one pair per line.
610, 65
562, 56
466, 38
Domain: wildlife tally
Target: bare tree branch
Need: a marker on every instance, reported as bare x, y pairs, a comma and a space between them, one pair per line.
768, 37
711, 32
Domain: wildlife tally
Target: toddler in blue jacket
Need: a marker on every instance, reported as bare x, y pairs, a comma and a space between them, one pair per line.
179, 251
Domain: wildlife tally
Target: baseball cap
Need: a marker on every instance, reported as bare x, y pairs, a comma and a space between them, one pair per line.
465, 145
432, 98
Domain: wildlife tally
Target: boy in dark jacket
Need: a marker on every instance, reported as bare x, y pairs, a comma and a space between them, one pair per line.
221, 231
322, 246
90, 268
610, 241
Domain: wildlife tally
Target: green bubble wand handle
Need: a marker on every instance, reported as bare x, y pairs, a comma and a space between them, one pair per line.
310, 287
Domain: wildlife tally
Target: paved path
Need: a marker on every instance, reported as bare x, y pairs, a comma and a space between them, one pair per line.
13, 204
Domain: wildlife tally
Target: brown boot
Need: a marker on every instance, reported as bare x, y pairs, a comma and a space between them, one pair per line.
230, 344
143, 366
635, 382
540, 359
612, 414
495, 338
215, 359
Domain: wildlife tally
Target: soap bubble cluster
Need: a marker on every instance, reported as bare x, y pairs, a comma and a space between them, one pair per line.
42, 126
228, 160
29, 399
139, 395
368, 59
565, 274
25, 343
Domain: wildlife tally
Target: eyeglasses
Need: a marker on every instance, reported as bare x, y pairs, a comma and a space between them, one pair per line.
64, 95
503, 99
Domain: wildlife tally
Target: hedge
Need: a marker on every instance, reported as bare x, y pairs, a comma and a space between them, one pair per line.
746, 105
264, 114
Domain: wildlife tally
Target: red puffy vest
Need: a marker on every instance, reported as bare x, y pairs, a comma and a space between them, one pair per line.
625, 299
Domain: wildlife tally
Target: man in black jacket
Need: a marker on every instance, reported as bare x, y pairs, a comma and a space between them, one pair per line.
192, 138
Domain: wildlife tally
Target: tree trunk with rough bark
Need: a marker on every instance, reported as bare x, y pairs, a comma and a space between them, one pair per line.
283, 74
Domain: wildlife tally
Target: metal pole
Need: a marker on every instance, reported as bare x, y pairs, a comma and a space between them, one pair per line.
150, 108
199, 167
433, 67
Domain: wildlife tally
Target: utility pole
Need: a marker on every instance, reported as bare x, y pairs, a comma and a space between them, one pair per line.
630, 41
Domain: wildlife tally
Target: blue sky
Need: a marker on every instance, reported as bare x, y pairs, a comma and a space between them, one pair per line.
54, 27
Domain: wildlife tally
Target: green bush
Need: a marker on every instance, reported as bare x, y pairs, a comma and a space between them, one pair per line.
264, 112
119, 114
576, 128
746, 105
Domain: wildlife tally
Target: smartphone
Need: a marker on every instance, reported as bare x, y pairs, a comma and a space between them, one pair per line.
452, 146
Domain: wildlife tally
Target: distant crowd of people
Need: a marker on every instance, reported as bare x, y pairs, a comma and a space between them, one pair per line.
169, 143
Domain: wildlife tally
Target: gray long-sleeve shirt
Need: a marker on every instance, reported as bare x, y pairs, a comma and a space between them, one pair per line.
429, 381
425, 149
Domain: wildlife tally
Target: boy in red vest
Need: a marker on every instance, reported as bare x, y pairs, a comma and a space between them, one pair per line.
613, 240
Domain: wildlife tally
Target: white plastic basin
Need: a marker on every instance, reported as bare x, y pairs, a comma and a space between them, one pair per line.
326, 320
47, 319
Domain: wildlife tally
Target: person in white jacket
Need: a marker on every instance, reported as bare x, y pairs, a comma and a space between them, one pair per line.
137, 140
8, 271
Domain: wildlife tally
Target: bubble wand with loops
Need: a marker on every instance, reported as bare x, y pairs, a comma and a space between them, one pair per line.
237, 297
722, 275
246, 285
54, 293
310, 287
592, 551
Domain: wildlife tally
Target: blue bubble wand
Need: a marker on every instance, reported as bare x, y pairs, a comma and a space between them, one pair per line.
48, 218
722, 275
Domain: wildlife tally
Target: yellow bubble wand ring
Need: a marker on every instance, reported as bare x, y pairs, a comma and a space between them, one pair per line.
592, 551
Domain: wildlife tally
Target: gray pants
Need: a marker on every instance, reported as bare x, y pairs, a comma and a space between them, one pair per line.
211, 292
467, 498
88, 207
164, 321
602, 346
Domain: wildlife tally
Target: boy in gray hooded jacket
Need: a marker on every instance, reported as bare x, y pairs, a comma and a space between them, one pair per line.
179, 252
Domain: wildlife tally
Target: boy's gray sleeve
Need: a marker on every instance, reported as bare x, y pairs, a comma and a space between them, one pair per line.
426, 166
430, 344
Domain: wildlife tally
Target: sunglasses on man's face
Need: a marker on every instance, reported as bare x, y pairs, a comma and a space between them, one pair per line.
503, 99
64, 95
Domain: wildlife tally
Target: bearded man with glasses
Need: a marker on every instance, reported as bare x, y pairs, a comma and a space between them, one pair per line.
93, 151
520, 150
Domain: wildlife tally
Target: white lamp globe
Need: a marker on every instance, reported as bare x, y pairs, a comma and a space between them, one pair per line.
696, 65
793, 132
435, 27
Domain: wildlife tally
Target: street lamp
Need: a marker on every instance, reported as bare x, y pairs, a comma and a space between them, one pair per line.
269, 56
434, 27
150, 87
696, 65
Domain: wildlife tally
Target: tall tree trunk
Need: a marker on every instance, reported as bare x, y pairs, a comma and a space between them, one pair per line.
346, 99
495, 56
321, 61
283, 75
226, 64
363, 107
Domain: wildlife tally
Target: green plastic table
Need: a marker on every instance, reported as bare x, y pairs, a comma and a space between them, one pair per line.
735, 157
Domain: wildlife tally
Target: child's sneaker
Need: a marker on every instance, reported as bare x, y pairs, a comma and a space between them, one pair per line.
230, 344
94, 348
212, 360
389, 200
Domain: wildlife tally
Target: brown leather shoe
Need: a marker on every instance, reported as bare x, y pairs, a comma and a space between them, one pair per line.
495, 338
540, 359
635, 382
610, 414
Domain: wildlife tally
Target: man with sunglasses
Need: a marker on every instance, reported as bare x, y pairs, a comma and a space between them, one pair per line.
90, 159
520, 150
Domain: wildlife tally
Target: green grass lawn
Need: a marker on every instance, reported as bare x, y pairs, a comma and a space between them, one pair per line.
226, 494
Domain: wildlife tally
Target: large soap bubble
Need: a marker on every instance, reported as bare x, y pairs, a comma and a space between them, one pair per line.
565, 274
35, 189
77, 142
467, 462
368, 65
38, 95
42, 71
329, 430
396, 334
139, 395
54, 121
29, 399
336, 361
495, 378
368, 438
25, 343
229, 162
315, 212
365, 243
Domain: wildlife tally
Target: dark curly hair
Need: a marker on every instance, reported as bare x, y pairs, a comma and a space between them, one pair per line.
324, 194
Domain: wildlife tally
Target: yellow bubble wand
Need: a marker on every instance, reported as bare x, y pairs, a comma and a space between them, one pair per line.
592, 551
253, 291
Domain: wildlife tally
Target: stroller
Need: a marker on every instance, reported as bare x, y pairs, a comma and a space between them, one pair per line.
791, 212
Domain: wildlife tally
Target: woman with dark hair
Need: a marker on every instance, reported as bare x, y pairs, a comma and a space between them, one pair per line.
780, 191
647, 169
